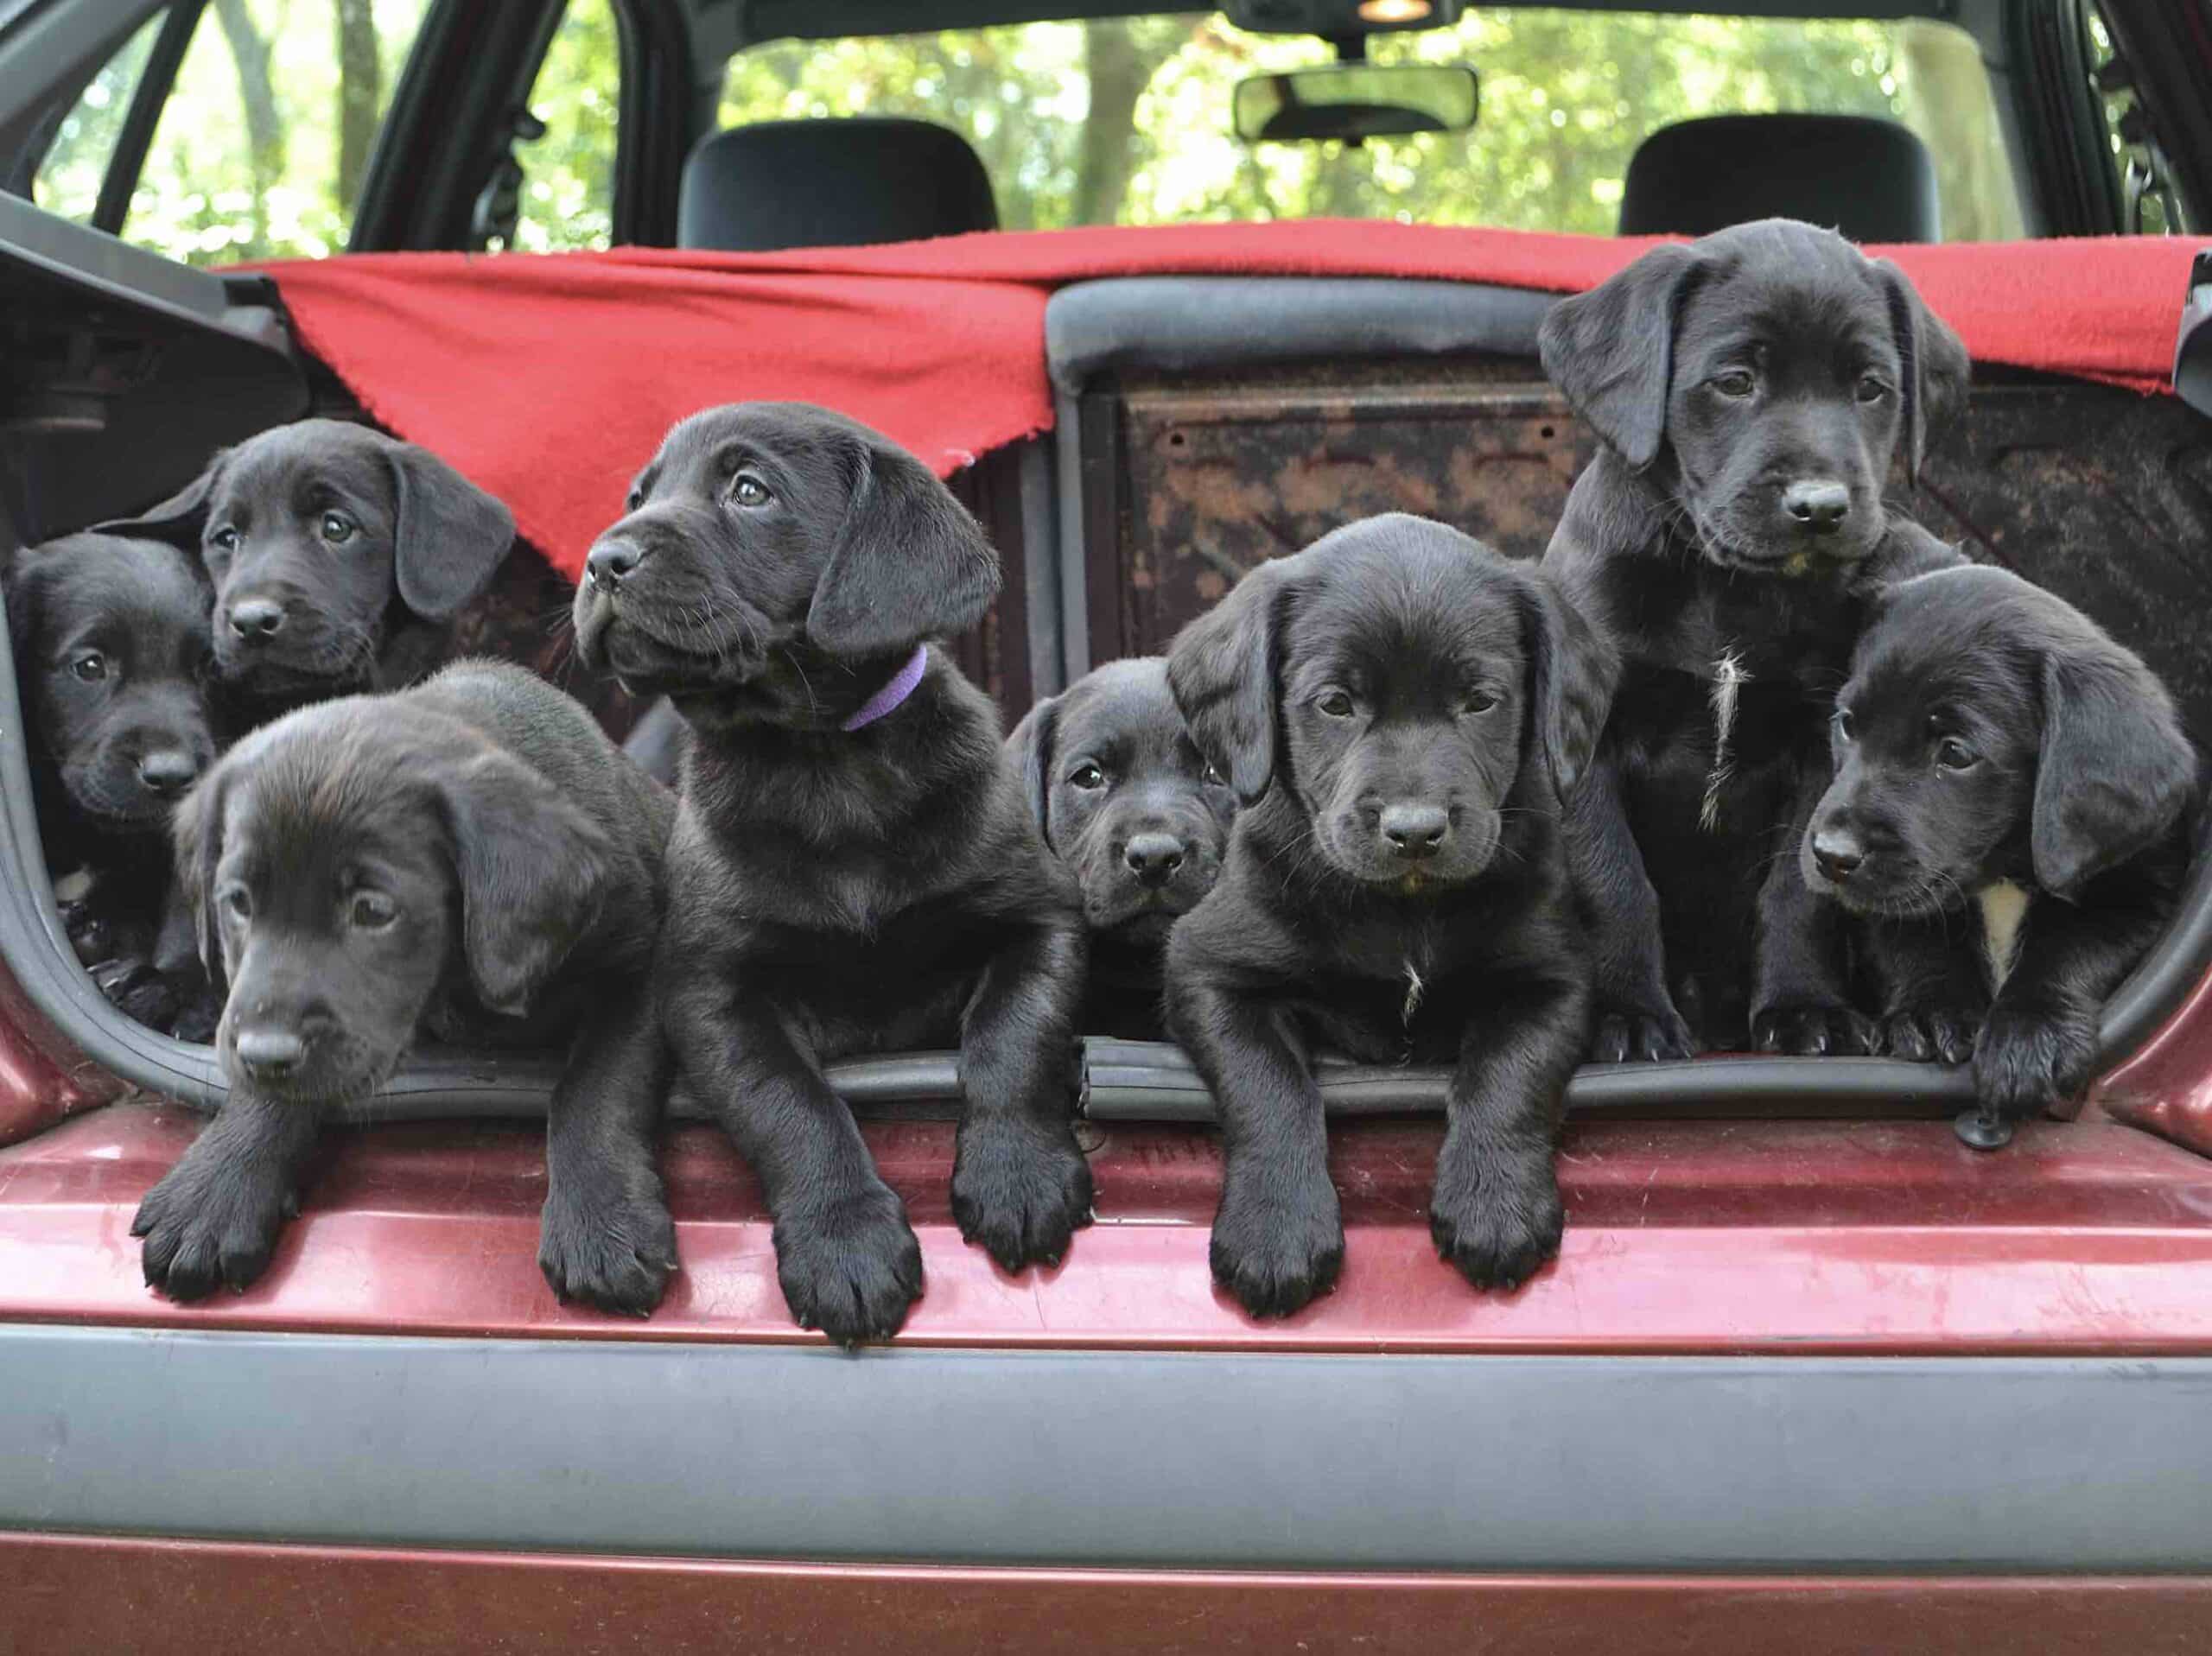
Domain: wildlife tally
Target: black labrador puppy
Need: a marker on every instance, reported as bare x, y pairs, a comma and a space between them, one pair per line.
110, 644
1124, 798
1401, 711
340, 557
2008, 814
1752, 389
853, 867
472, 860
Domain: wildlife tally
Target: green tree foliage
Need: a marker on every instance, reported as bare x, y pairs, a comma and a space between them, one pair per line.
262, 148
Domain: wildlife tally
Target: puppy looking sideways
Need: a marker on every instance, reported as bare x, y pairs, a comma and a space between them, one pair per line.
853, 867
1401, 711
2009, 816
1753, 391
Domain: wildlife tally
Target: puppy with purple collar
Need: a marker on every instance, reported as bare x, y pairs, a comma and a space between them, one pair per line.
853, 868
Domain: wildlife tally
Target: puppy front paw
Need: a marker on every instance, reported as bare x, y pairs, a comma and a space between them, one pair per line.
136, 989
1935, 1034
1813, 1030
1020, 1191
2029, 1059
611, 1248
208, 1223
1626, 1035
851, 1269
1501, 1230
1278, 1252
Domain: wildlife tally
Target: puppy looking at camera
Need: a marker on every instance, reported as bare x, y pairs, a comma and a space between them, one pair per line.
110, 644
472, 859
853, 867
1753, 391
1124, 798
340, 558
2009, 817
1401, 711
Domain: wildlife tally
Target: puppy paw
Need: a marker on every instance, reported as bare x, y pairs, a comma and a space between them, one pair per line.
91, 939
207, 1224
1800, 1029
1625, 1037
851, 1269
1502, 1231
137, 991
1276, 1254
199, 1018
611, 1249
1022, 1193
2029, 1059
1931, 1034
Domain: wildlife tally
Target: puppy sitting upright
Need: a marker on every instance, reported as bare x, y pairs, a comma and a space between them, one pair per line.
1124, 797
853, 867
1752, 389
2008, 814
340, 557
1401, 711
473, 857
110, 642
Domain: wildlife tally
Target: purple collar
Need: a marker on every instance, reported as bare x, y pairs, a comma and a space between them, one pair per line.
892, 696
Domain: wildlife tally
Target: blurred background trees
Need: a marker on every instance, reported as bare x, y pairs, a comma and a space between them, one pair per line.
261, 150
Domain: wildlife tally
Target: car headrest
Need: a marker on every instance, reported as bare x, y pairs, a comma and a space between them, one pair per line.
830, 183
1871, 179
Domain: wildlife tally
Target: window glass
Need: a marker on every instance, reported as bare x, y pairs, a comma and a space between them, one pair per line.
265, 138
568, 192
75, 163
1128, 121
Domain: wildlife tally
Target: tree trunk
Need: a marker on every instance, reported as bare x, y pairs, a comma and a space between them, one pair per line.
360, 90
264, 126
1118, 74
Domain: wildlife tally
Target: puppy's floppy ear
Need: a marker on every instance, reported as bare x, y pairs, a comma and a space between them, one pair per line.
1222, 670
2115, 772
910, 562
196, 834
534, 873
1031, 748
1611, 351
181, 518
451, 536
1936, 369
1573, 670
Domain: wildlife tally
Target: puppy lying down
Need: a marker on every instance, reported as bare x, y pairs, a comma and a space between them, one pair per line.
1401, 711
2009, 817
1125, 799
110, 643
472, 860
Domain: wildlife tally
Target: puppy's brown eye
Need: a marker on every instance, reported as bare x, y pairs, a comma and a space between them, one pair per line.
1212, 777
1087, 776
749, 491
91, 667
373, 911
239, 901
1734, 382
1844, 727
1480, 702
336, 528
632, 500
1338, 704
1952, 754
225, 539
1871, 389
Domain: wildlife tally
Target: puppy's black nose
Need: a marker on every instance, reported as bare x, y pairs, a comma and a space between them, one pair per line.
168, 772
1836, 854
1153, 857
1820, 506
269, 1053
1416, 832
612, 562
255, 618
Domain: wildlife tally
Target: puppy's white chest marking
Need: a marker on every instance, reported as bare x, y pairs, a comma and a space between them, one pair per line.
1729, 677
1417, 987
2004, 907
73, 887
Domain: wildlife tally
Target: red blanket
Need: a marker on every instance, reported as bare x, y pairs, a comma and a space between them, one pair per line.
548, 380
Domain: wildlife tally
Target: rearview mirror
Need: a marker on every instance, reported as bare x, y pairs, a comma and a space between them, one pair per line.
1352, 101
